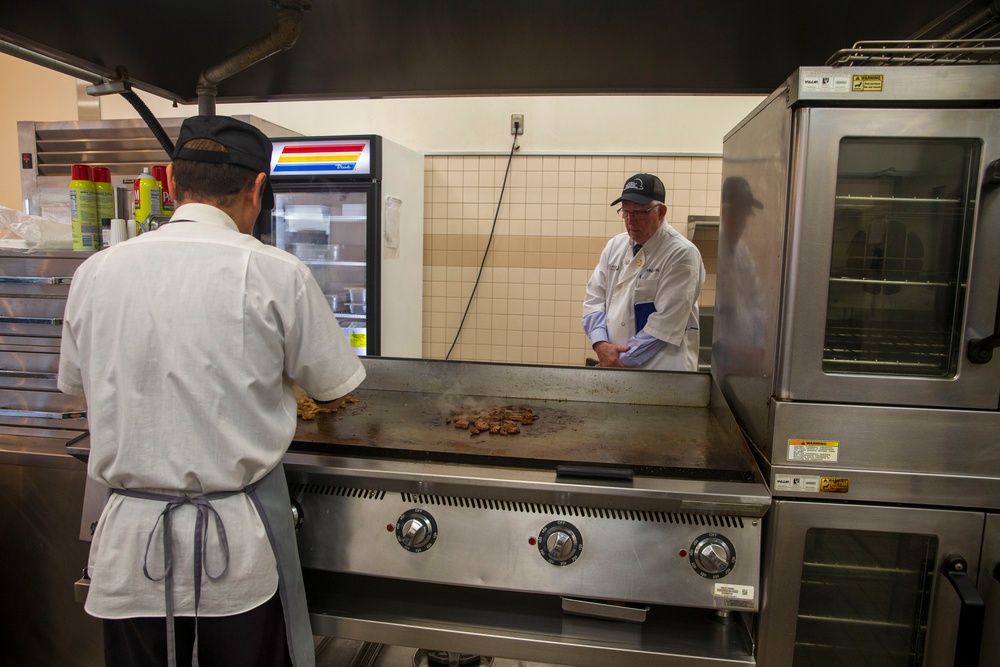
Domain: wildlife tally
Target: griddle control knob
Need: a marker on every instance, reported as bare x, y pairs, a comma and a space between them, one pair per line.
416, 530
560, 543
712, 556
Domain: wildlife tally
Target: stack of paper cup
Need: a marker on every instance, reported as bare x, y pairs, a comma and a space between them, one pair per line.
118, 231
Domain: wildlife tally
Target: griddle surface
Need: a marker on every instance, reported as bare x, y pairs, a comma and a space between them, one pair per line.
663, 441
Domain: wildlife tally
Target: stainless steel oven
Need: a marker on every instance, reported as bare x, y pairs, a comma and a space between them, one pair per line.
855, 319
859, 273
879, 585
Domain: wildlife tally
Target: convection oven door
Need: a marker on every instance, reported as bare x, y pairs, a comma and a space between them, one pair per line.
989, 587
894, 260
870, 585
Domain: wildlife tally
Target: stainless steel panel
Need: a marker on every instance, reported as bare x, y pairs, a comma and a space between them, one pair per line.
40, 621
748, 293
625, 555
516, 625
787, 525
125, 146
808, 261
893, 454
525, 381
974, 84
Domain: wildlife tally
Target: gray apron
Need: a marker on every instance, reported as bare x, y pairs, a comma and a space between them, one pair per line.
270, 498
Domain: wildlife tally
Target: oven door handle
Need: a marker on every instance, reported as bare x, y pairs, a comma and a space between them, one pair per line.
980, 350
973, 612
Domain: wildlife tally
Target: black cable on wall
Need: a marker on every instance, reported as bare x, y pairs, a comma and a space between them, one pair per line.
486, 252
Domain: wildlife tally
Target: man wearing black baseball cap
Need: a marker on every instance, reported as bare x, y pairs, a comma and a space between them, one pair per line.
641, 308
186, 341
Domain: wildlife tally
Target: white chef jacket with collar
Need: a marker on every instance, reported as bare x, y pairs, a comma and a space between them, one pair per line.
170, 411
668, 273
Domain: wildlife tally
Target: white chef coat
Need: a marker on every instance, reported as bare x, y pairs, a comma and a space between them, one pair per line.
665, 277
142, 326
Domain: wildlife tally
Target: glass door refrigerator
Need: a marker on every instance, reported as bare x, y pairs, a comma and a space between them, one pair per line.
351, 208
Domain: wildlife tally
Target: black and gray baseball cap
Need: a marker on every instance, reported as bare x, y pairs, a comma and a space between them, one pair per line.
642, 189
246, 146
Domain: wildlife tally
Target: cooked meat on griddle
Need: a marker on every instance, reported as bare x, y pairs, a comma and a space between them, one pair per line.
506, 420
307, 408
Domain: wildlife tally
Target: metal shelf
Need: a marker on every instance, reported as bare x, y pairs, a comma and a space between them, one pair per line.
918, 52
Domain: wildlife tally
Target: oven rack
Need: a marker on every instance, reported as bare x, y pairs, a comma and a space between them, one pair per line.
918, 52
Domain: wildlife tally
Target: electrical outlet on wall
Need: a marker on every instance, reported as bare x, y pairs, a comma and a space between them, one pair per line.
517, 123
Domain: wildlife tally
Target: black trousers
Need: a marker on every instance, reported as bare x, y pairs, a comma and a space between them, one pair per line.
255, 638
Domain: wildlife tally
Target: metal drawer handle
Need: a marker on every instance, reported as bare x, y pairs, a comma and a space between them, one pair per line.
973, 613
9, 412
36, 280
32, 320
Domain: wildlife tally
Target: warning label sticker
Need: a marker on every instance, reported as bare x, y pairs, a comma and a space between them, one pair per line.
802, 483
734, 591
867, 83
822, 451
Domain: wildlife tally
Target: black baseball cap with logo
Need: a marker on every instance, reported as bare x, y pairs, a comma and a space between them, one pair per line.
246, 146
642, 189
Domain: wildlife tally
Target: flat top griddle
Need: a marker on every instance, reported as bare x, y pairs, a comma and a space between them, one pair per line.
655, 440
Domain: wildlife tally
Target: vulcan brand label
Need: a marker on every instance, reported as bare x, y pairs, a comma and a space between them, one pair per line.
826, 83
867, 83
813, 451
801, 483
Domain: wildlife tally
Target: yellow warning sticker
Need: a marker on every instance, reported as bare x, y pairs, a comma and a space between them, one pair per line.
834, 484
867, 83
825, 451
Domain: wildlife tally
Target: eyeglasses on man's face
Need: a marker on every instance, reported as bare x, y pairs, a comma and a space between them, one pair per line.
637, 213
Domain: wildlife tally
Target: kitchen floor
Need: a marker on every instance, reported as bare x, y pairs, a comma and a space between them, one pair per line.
332, 652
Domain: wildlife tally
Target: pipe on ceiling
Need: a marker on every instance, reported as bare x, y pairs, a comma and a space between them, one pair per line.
48, 62
977, 21
281, 38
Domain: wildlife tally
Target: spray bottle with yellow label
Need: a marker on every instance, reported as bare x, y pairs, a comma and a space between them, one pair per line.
83, 209
147, 199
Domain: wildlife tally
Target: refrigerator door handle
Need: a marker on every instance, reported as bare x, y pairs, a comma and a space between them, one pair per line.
980, 350
970, 620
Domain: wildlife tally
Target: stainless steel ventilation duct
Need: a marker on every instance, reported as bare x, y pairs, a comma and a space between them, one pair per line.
282, 38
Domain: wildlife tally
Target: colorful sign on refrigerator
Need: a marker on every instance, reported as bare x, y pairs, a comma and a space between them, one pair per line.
318, 157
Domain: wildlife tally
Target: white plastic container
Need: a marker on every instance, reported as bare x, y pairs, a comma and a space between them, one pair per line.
357, 334
357, 295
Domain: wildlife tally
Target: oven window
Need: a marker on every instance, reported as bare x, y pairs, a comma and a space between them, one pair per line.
903, 220
864, 598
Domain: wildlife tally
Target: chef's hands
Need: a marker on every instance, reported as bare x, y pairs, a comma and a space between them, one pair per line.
333, 405
608, 354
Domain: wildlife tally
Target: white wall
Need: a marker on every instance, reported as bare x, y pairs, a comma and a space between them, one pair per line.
553, 124
30, 92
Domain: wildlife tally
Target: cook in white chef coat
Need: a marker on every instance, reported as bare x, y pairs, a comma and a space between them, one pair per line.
185, 342
641, 308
